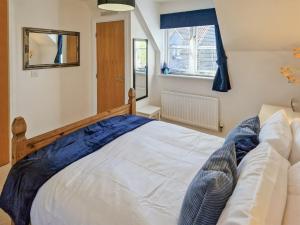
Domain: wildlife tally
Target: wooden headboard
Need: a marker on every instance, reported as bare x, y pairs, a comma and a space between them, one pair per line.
21, 146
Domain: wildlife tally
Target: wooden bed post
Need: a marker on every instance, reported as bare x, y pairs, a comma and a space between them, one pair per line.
132, 101
19, 129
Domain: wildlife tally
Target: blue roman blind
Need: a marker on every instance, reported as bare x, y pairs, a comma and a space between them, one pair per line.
189, 19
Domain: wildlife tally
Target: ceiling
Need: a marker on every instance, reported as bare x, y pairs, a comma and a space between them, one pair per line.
94, 1
258, 25
168, 0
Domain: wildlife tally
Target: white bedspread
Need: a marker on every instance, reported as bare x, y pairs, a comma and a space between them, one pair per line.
138, 179
292, 216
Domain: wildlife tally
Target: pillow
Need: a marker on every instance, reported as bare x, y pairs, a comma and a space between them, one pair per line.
292, 215
252, 199
210, 189
295, 153
277, 132
245, 137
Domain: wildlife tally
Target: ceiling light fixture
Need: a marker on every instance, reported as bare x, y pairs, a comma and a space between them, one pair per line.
116, 5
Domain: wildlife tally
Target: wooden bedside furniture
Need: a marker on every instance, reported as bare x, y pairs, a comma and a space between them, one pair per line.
149, 111
268, 110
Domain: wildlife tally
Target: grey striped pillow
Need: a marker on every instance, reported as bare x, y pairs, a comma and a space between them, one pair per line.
210, 189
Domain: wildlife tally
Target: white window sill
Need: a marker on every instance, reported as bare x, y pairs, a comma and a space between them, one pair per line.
187, 76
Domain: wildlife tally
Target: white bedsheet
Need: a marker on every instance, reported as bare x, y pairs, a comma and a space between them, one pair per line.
138, 179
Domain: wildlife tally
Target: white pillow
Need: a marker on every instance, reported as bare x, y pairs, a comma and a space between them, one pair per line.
295, 154
277, 132
262, 175
292, 215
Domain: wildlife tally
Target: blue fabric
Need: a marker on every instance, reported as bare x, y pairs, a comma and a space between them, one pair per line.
245, 136
189, 19
30, 173
59, 49
221, 81
210, 189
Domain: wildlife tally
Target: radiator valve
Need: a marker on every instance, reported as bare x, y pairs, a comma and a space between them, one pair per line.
221, 126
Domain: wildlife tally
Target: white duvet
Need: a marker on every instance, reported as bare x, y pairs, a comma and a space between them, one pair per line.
138, 179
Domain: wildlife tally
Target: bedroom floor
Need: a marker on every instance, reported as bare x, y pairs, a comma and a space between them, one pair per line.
4, 219
215, 133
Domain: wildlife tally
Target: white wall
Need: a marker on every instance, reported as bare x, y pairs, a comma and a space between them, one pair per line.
150, 12
187, 5
76, 83
52, 97
49, 98
99, 17
258, 37
134, 28
137, 31
259, 25
147, 13
255, 80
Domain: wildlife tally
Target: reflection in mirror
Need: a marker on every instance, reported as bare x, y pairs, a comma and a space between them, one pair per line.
140, 68
50, 48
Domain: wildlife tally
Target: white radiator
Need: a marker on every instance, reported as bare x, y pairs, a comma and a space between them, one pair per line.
190, 109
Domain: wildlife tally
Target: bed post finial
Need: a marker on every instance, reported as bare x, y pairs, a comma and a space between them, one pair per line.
19, 129
132, 101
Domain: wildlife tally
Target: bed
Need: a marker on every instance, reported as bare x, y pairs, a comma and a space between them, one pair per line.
136, 186
113, 186
140, 177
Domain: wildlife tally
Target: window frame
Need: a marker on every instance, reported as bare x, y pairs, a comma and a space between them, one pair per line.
205, 75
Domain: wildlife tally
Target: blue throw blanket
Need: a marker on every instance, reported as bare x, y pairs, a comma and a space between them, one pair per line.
30, 173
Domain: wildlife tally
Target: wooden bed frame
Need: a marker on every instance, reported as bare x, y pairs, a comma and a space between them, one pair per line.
21, 146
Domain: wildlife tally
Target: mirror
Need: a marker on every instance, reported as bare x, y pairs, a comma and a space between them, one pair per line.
140, 68
45, 48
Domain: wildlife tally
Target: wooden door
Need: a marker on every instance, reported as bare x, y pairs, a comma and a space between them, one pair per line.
4, 94
110, 65
72, 49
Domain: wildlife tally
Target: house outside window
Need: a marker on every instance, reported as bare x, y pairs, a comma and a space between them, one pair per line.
192, 51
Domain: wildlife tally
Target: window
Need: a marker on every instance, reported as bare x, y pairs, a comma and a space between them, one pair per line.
192, 51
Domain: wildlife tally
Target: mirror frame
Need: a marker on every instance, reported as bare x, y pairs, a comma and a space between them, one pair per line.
27, 30
134, 74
